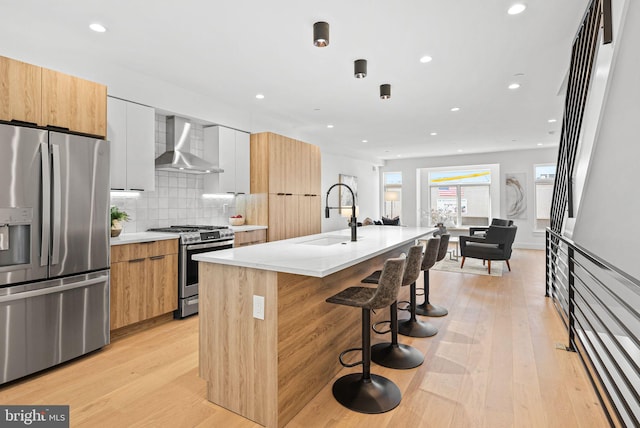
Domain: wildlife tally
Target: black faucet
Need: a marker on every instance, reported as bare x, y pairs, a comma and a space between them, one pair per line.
354, 222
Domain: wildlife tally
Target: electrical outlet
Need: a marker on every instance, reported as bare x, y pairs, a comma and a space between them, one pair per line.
258, 307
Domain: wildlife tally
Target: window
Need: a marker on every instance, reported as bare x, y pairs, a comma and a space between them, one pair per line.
544, 178
460, 197
392, 195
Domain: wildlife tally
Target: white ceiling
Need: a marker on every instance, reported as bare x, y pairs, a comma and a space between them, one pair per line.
230, 51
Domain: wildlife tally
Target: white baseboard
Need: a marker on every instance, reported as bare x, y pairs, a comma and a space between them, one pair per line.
529, 245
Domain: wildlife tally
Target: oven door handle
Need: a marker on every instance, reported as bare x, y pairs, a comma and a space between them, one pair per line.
209, 245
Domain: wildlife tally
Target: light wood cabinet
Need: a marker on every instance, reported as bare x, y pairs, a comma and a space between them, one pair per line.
73, 103
229, 149
131, 133
289, 171
20, 91
250, 237
144, 281
49, 98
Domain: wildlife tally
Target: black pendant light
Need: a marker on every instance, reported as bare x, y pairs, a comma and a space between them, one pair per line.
321, 34
360, 68
385, 91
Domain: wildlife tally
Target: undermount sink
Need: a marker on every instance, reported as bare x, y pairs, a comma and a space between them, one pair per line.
327, 240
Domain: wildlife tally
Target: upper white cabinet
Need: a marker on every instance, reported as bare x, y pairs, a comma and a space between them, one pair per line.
131, 131
229, 149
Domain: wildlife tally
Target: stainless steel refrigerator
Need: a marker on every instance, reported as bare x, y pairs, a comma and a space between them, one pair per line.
54, 248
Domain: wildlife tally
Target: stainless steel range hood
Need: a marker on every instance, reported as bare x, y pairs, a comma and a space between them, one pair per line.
178, 157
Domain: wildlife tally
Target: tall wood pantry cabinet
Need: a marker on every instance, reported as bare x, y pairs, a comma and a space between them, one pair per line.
288, 173
44, 97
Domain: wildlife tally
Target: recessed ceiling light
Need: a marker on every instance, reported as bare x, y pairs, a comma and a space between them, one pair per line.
98, 28
539, 144
425, 59
329, 126
552, 120
455, 109
433, 134
365, 141
399, 156
260, 96
516, 9
514, 86
459, 150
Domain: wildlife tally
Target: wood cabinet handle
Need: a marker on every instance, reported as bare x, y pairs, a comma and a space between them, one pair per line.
54, 127
136, 260
157, 257
280, 194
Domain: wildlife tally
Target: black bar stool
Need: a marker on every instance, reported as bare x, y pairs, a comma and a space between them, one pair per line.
426, 308
366, 392
412, 326
393, 354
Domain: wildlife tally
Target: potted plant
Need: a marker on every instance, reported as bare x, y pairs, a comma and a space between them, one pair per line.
117, 217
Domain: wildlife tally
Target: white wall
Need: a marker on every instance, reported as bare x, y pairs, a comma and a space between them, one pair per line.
605, 223
368, 198
510, 162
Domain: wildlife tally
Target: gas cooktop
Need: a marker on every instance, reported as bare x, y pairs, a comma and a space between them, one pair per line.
198, 233
186, 228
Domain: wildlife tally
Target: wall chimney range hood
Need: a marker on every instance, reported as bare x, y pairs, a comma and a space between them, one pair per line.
178, 157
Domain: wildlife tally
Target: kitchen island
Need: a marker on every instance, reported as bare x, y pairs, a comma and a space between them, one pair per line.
267, 363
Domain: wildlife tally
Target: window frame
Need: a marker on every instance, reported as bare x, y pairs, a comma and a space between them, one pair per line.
423, 175
537, 181
394, 187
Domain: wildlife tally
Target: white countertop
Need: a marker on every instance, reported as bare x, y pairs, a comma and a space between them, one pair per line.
132, 238
301, 256
247, 228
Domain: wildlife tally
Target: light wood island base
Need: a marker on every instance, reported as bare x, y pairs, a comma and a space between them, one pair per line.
268, 370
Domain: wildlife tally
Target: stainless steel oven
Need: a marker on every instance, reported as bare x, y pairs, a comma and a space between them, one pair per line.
188, 275
195, 240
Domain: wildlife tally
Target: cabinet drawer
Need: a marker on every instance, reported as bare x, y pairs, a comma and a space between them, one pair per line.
142, 250
250, 237
167, 246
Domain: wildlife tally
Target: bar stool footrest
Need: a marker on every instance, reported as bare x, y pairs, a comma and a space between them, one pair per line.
346, 351
375, 326
406, 308
376, 394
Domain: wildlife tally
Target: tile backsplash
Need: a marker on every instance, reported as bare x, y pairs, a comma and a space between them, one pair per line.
177, 198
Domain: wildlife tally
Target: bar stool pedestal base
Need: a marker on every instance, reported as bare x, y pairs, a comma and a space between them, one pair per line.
375, 395
429, 310
396, 357
416, 328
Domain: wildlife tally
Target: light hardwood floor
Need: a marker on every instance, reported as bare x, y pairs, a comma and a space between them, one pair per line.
494, 363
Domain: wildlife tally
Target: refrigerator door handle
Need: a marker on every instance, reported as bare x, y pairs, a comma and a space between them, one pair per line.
46, 204
56, 289
57, 208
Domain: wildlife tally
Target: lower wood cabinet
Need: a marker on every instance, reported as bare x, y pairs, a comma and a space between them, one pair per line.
144, 281
250, 237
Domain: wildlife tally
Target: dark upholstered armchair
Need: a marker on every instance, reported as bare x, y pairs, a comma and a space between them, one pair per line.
496, 245
481, 231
